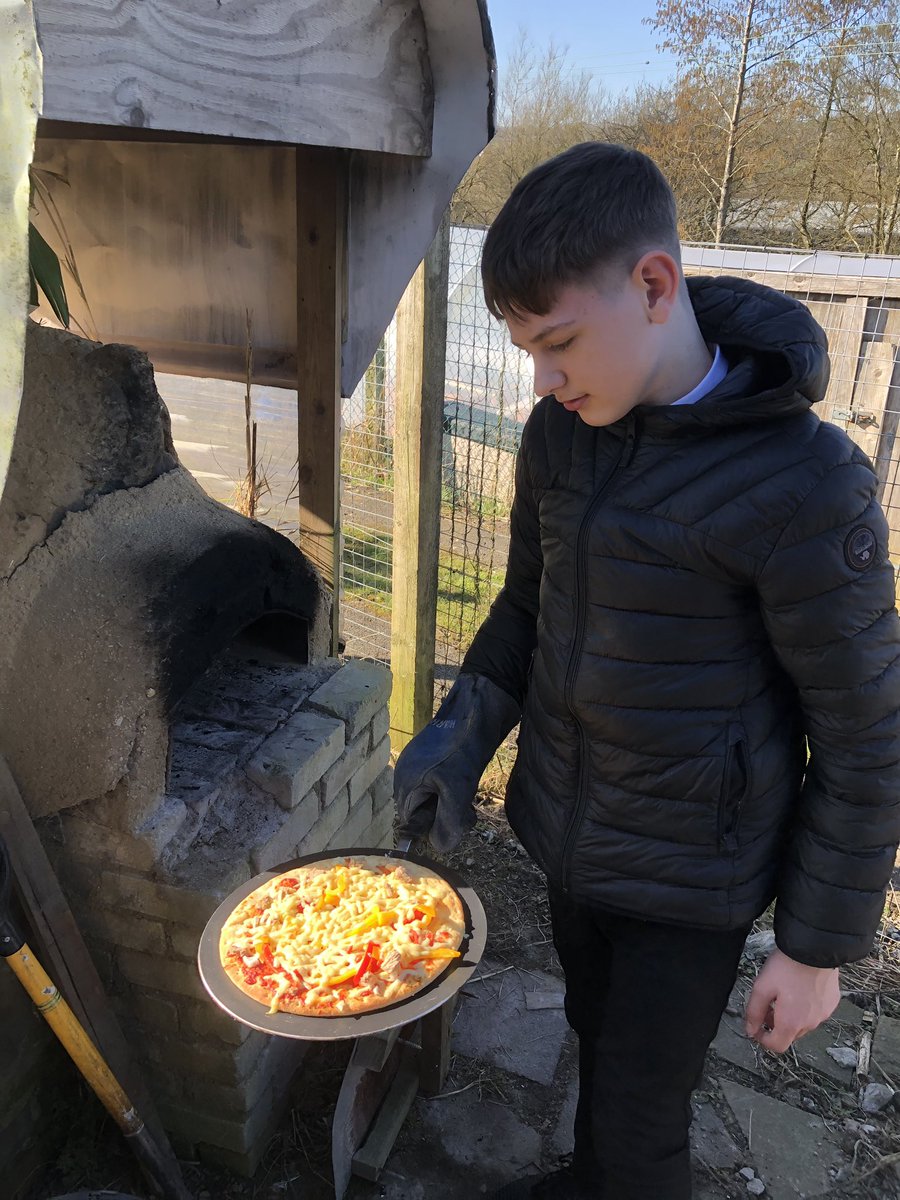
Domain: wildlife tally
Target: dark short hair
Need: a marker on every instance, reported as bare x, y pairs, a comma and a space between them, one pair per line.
594, 206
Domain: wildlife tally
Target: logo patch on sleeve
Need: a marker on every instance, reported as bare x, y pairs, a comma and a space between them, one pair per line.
859, 548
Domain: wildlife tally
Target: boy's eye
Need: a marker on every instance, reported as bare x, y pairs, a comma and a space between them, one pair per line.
561, 346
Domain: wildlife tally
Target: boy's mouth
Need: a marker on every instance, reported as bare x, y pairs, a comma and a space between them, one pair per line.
574, 405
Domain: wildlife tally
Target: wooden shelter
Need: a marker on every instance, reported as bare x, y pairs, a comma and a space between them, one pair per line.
286, 159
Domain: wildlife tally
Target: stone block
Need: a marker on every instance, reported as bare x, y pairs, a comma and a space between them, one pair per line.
241, 713
381, 724
841, 1029
354, 694
280, 686
348, 764
209, 1022
381, 831
319, 837
494, 1025
205, 734
370, 770
161, 974
886, 1047
137, 933
283, 844
711, 1142
199, 1125
183, 942
356, 828
293, 760
793, 1150
382, 790
271, 1074
196, 773
155, 1012
94, 843
732, 1044
181, 906
221, 1063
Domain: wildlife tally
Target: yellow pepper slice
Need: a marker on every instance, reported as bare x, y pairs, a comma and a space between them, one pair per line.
341, 978
439, 952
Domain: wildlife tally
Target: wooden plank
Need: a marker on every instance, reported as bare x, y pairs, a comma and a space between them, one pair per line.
71, 966
418, 434
346, 73
369, 1160
434, 1062
801, 284
173, 244
873, 427
321, 215
372, 1052
361, 1095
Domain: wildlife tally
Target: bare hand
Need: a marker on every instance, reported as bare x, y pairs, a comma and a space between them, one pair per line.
788, 1000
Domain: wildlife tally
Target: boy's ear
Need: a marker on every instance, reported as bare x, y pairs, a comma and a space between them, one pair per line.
658, 277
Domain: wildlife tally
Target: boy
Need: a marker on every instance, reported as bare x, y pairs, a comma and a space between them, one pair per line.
698, 590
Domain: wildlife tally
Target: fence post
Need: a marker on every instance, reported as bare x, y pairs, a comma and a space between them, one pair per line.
418, 430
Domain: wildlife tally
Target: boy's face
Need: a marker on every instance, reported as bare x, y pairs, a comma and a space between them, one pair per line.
595, 350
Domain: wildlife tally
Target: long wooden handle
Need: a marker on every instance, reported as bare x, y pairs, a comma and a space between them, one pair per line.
50, 1004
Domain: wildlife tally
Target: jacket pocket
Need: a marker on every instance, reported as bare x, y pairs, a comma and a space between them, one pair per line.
735, 786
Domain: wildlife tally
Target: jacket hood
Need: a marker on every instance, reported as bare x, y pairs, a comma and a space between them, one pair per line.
777, 354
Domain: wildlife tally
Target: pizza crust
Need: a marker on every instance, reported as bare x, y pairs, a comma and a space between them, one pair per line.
342, 936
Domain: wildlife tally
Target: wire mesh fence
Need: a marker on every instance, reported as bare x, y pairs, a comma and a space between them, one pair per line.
488, 395
487, 398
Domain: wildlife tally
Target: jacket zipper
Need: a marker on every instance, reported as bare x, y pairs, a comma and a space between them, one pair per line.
625, 455
730, 805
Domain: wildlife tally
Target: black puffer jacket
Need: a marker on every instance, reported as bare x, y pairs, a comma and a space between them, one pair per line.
693, 594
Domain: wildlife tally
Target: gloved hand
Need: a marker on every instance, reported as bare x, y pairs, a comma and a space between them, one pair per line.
437, 774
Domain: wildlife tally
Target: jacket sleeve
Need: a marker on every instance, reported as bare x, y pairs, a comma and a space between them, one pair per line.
828, 602
503, 646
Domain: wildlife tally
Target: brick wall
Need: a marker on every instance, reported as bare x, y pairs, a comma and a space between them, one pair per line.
295, 765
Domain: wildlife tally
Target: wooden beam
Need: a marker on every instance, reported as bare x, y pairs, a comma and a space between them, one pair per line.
353, 74
321, 217
418, 431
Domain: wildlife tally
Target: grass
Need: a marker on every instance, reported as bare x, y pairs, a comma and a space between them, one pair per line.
466, 588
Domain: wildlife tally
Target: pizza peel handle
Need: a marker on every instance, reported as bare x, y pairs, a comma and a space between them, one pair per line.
416, 826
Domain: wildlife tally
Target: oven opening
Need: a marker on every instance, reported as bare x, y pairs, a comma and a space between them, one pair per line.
277, 637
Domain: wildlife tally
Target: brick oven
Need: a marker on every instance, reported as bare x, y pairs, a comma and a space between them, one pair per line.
171, 717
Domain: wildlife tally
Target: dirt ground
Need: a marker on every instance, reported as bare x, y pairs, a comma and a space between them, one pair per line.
297, 1161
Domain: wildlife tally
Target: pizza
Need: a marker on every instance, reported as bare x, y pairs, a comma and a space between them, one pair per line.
342, 936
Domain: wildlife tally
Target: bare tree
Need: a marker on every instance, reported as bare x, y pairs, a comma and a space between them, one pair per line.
734, 52
544, 106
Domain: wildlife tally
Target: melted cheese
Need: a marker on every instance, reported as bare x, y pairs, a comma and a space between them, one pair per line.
321, 929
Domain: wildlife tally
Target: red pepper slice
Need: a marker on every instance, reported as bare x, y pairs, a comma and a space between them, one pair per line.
366, 963
289, 882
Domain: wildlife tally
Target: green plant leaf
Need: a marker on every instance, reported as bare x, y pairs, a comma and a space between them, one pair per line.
46, 274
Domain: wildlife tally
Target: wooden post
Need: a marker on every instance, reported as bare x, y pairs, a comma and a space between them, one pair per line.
321, 211
418, 429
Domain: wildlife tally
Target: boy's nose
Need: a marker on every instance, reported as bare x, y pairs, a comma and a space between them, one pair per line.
547, 379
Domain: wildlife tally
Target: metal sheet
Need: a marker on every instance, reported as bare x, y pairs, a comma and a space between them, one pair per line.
250, 1012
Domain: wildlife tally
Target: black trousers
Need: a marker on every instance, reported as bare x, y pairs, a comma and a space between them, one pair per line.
645, 1000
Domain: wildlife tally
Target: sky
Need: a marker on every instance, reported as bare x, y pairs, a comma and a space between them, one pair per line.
604, 37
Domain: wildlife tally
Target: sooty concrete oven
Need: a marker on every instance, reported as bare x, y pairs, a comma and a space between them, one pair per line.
171, 717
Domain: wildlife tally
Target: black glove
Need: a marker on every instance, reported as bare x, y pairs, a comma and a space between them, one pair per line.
437, 775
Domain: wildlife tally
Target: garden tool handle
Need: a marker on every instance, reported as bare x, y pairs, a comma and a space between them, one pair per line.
50, 1003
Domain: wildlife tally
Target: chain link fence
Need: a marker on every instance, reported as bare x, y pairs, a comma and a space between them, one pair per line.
488, 397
